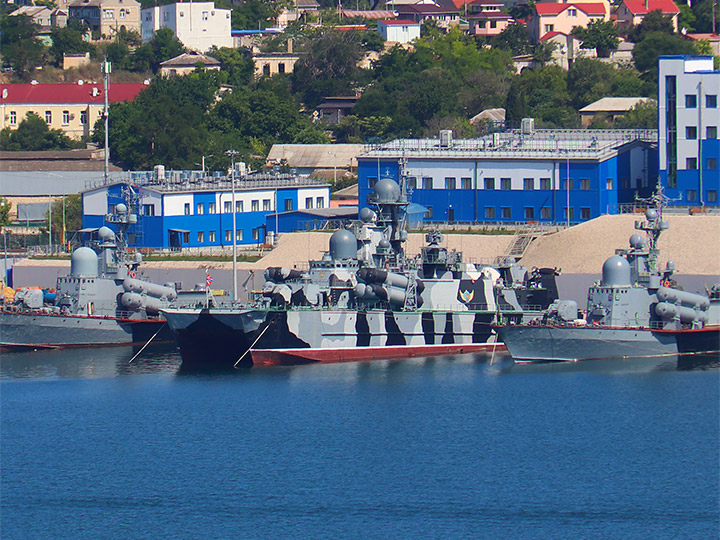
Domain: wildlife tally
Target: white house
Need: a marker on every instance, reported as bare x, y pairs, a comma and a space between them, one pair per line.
399, 31
199, 25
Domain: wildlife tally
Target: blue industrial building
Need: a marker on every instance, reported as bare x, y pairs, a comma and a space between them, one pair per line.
180, 210
518, 176
689, 118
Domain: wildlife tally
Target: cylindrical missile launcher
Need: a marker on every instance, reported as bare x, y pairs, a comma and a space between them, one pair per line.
680, 305
135, 302
150, 289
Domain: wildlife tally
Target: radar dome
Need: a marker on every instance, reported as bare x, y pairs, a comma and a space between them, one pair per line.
651, 214
616, 272
387, 190
84, 263
637, 241
121, 209
367, 215
105, 234
343, 245
384, 244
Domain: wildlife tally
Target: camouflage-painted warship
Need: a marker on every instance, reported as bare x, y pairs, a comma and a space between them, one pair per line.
634, 312
103, 301
366, 299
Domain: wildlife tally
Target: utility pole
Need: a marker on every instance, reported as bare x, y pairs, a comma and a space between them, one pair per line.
106, 68
232, 154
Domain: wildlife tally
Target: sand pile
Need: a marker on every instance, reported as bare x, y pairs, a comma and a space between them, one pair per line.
693, 242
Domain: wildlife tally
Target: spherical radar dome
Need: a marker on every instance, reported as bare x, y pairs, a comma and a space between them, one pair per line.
84, 263
343, 245
105, 234
387, 190
616, 272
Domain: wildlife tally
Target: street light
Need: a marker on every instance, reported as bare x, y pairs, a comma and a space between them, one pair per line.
232, 154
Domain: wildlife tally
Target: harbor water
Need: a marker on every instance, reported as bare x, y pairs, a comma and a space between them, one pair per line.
464, 447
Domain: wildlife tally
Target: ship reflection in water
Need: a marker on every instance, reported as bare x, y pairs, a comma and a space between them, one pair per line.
104, 362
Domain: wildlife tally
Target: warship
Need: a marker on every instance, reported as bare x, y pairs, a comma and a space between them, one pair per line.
366, 299
102, 301
635, 311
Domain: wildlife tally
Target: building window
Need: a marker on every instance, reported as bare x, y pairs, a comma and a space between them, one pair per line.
200, 209
148, 209
572, 213
549, 28
182, 14
48, 117
13, 118
690, 101
256, 234
288, 205
529, 213
711, 101
186, 237
211, 236
567, 184
204, 15
691, 132
625, 183
255, 205
227, 207
585, 184
691, 164
211, 208
711, 132
506, 212
505, 184
372, 181
584, 213
489, 212
572, 12
671, 123
108, 14
411, 182
266, 69
238, 206
266, 205
187, 209
609, 183
427, 182
691, 195
66, 118
449, 182
489, 183
528, 184
466, 183
239, 235
319, 202
712, 195
281, 67
122, 13
228, 235
201, 237
493, 24
712, 163
429, 213
83, 117
545, 212
308, 202
545, 184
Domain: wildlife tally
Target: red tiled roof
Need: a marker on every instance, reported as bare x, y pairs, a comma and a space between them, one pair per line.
485, 3
551, 35
400, 22
637, 7
68, 93
589, 8
423, 8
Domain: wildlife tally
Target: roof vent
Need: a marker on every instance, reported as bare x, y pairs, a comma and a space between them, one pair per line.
95, 91
445, 138
527, 125
33, 82
81, 82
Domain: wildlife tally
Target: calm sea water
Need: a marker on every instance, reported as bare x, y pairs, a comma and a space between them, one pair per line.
420, 449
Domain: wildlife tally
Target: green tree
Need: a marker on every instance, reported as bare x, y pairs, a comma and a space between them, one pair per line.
34, 134
255, 14
69, 39
514, 38
543, 52
19, 46
5, 207
71, 217
643, 116
703, 12
654, 22
516, 106
687, 18
645, 54
599, 35
237, 63
589, 80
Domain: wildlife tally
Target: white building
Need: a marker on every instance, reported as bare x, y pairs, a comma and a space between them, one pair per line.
399, 31
199, 25
689, 118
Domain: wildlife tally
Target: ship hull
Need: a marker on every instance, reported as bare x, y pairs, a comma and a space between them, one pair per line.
40, 330
697, 347
536, 343
212, 339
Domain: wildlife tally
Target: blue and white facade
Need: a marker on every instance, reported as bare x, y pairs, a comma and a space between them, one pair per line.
199, 213
689, 119
520, 175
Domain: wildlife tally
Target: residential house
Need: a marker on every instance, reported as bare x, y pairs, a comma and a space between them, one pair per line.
486, 18
335, 108
187, 63
399, 31
269, 64
445, 17
632, 12
297, 10
71, 107
566, 49
563, 17
712, 39
328, 160
610, 108
198, 25
106, 17
689, 120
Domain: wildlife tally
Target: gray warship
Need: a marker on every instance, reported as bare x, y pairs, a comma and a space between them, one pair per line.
635, 311
366, 299
103, 301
